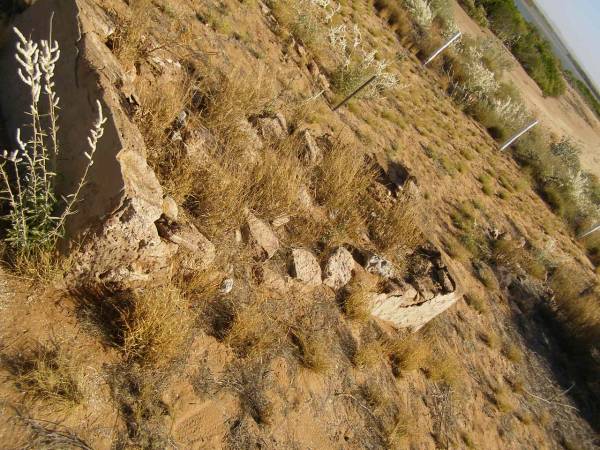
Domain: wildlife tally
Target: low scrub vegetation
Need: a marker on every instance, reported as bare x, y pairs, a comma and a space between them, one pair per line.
524, 40
37, 209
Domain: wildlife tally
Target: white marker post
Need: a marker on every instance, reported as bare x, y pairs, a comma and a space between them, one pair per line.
592, 231
518, 135
444, 47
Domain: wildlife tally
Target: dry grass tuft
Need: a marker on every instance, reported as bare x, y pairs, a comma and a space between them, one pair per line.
161, 103
409, 353
130, 42
254, 330
368, 355
155, 325
395, 229
339, 182
477, 302
239, 171
511, 254
503, 399
512, 352
356, 297
46, 372
312, 350
490, 338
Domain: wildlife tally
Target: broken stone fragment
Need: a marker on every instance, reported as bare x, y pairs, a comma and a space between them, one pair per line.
280, 221
260, 235
305, 267
170, 209
312, 153
189, 238
226, 286
380, 266
338, 270
272, 128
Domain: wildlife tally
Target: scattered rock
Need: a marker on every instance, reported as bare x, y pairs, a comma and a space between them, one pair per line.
380, 266
280, 221
395, 309
189, 238
170, 209
338, 270
272, 128
226, 286
258, 234
312, 153
305, 267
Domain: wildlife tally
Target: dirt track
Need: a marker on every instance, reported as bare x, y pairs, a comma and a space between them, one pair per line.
567, 115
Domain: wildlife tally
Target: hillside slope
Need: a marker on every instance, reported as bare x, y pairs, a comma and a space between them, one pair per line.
245, 352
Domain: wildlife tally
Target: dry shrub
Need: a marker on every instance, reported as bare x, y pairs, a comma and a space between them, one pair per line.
312, 349
238, 172
339, 182
443, 366
578, 305
130, 40
512, 352
408, 353
46, 372
161, 102
154, 324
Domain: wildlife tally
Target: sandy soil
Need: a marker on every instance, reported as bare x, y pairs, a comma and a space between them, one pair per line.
567, 115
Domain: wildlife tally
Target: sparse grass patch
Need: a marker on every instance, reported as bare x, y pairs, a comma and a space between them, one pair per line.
368, 354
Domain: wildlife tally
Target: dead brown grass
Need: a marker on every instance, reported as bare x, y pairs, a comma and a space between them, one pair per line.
368, 354
503, 399
161, 102
47, 372
254, 328
338, 182
409, 353
395, 229
237, 170
130, 42
155, 324
511, 254
312, 350
356, 297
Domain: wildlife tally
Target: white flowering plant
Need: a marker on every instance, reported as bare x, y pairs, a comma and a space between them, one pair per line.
36, 214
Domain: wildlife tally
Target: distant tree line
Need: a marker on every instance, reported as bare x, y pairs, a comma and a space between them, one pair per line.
585, 92
524, 40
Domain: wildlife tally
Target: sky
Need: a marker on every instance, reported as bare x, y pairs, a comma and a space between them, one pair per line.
579, 24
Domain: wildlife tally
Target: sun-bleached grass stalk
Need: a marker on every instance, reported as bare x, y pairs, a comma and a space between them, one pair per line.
421, 12
36, 214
